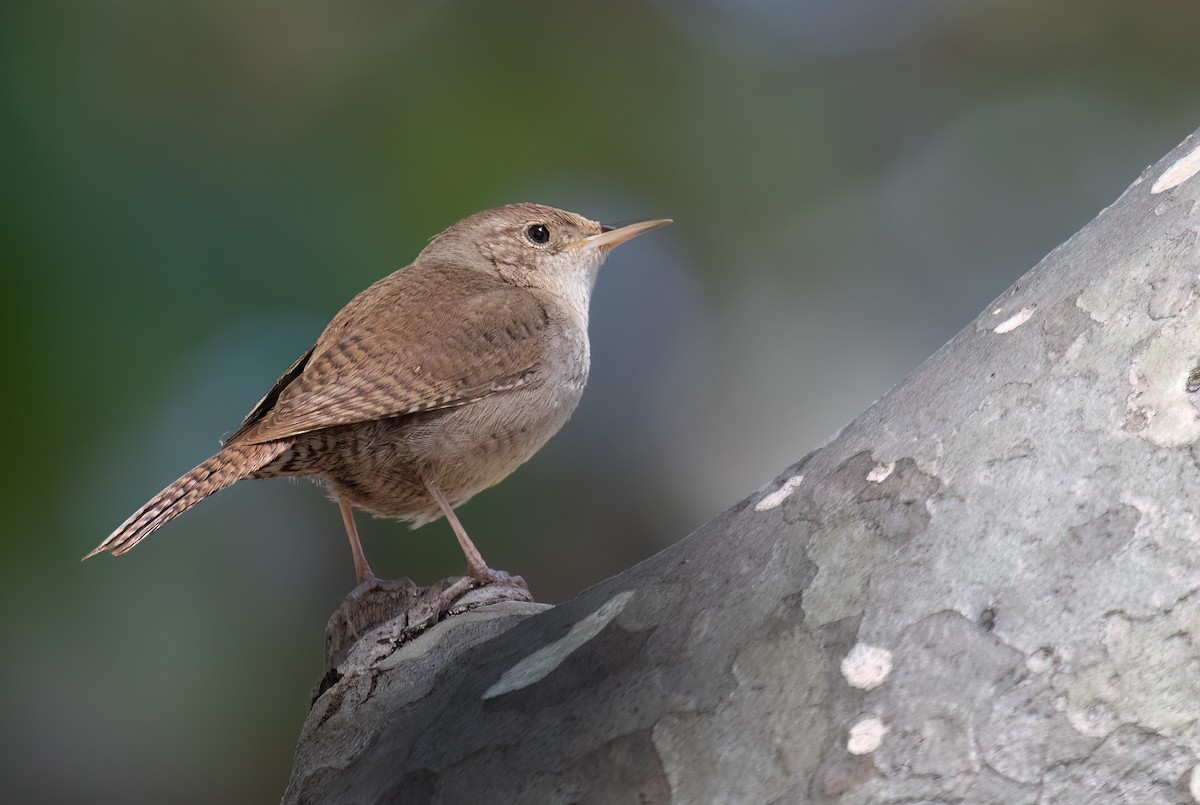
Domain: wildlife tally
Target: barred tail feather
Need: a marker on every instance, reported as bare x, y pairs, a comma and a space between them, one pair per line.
231, 464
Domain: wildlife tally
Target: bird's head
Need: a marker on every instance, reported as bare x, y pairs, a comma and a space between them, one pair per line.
535, 246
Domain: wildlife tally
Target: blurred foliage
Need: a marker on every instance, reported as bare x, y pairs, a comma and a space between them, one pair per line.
191, 189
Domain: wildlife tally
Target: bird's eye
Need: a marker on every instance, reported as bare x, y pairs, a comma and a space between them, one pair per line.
537, 233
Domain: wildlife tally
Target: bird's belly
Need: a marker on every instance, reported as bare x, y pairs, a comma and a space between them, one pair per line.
463, 450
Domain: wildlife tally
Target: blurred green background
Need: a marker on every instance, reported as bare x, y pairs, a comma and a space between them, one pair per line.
191, 189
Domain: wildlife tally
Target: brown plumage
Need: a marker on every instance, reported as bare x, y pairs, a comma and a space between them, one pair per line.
233, 463
431, 385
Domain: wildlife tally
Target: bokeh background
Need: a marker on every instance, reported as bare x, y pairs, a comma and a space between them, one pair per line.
191, 189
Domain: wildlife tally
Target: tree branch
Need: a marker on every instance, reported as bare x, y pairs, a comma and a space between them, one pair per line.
982, 590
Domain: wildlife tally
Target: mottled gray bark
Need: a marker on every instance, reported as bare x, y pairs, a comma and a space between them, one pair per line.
982, 590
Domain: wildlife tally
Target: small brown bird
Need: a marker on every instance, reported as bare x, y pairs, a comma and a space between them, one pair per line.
431, 385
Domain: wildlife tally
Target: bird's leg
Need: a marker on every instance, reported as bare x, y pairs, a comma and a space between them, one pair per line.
476, 567
362, 570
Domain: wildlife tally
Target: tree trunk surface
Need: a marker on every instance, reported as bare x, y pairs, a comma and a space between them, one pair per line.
981, 591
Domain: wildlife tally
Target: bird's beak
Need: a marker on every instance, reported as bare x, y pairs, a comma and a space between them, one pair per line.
610, 236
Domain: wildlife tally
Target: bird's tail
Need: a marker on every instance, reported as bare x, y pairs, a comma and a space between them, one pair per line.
231, 464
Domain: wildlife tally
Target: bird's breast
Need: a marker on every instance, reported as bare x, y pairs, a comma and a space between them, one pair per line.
465, 449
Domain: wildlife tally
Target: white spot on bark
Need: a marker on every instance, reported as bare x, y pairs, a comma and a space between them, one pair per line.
779, 495
1158, 403
1040, 661
1014, 321
1076, 347
1184, 168
880, 473
866, 666
1096, 720
538, 665
866, 736
1194, 783
1094, 313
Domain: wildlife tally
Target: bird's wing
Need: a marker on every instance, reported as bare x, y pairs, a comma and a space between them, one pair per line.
269, 399
440, 338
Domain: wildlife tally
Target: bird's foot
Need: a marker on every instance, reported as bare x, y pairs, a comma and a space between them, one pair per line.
372, 584
486, 575
499, 584
374, 600
380, 615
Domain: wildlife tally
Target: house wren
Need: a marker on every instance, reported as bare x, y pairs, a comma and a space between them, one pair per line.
431, 385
